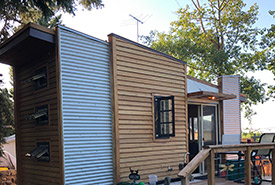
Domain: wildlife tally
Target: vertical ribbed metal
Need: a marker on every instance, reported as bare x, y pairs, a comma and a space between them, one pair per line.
231, 108
86, 108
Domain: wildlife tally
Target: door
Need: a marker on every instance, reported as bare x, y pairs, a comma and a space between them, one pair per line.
203, 129
209, 125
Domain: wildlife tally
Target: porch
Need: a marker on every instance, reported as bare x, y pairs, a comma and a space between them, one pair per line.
250, 174
218, 181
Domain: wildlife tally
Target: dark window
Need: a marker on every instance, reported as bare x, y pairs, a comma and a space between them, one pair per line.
41, 152
164, 117
41, 115
40, 78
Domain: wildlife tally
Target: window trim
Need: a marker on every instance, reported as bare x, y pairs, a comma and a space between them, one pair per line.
156, 108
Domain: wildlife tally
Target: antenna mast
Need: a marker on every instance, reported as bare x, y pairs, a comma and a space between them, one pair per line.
138, 21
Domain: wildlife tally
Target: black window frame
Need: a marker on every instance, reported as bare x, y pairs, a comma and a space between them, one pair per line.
157, 115
41, 152
43, 120
40, 82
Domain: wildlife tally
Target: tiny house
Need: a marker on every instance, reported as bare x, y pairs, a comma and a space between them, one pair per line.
87, 110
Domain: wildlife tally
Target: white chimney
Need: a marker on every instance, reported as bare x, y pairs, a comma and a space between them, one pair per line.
230, 84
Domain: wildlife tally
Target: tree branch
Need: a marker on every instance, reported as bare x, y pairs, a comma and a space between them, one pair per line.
223, 3
235, 40
198, 7
213, 5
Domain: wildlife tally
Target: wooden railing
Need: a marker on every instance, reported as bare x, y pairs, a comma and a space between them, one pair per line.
209, 152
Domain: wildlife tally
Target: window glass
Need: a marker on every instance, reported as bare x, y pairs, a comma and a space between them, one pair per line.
164, 117
40, 78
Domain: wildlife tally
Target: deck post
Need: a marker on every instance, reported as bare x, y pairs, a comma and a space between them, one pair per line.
211, 168
185, 180
273, 166
247, 172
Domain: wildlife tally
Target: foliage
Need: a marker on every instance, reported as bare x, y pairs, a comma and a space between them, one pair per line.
250, 133
20, 12
268, 44
6, 115
217, 38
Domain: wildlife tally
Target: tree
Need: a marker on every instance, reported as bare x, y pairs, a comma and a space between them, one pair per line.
47, 12
268, 44
217, 38
6, 115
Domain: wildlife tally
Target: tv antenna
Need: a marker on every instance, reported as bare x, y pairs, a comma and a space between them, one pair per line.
138, 21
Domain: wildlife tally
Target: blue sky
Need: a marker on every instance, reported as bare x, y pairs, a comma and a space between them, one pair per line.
114, 17
157, 14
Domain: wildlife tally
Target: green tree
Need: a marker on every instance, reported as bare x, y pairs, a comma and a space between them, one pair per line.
6, 115
268, 44
16, 13
217, 38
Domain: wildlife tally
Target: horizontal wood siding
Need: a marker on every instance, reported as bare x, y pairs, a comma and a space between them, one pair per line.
28, 134
141, 74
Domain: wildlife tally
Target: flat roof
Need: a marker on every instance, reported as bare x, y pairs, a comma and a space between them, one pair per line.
211, 95
27, 43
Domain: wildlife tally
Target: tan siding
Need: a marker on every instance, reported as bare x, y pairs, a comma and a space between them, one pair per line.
141, 73
37, 172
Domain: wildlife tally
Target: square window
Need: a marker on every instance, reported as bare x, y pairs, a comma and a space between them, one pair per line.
41, 152
40, 78
164, 116
41, 115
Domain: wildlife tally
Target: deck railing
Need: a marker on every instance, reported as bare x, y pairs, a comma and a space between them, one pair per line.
208, 154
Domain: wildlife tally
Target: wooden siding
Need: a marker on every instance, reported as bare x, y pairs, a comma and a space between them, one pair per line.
139, 74
31, 171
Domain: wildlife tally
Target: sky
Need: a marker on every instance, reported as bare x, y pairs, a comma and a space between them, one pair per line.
157, 15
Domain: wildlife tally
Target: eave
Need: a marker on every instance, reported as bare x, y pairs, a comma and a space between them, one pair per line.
30, 43
211, 95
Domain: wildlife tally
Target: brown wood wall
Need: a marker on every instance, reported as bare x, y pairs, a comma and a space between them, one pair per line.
31, 171
139, 74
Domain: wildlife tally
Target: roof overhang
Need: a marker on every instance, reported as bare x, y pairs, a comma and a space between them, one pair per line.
30, 42
242, 97
210, 95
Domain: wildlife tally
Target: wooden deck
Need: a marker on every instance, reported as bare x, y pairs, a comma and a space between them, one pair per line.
218, 181
208, 154
221, 181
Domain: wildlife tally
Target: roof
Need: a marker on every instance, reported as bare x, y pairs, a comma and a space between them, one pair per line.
211, 95
28, 43
195, 85
202, 81
32, 39
145, 47
242, 97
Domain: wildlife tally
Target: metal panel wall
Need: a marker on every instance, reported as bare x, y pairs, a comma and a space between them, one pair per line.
86, 105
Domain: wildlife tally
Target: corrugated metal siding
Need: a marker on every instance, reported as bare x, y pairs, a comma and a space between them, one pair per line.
231, 108
86, 105
195, 86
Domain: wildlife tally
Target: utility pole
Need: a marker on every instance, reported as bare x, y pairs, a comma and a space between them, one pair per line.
138, 21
